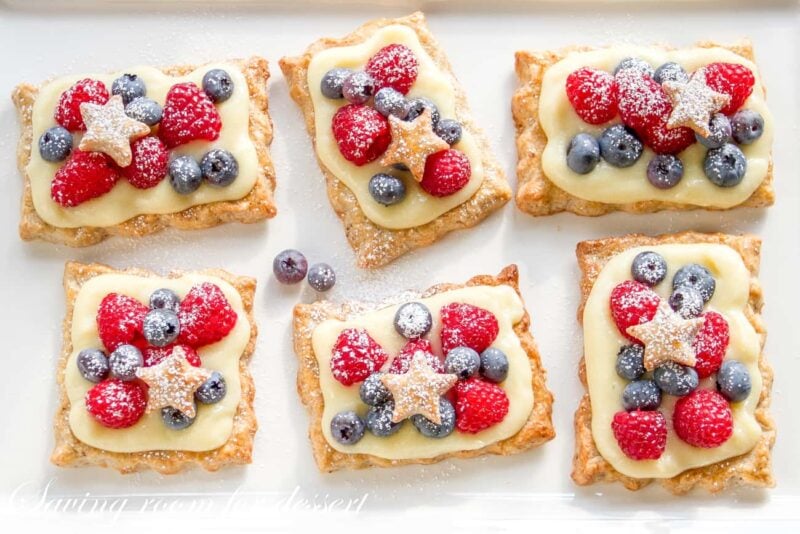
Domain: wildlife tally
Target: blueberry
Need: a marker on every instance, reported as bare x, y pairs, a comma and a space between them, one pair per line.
733, 380
494, 365
379, 420
583, 153
185, 175
634, 63
372, 391
665, 171
449, 130
389, 101
161, 327
619, 146
358, 87
641, 395
687, 301
93, 365
347, 427
387, 189
649, 268
144, 110
725, 166
165, 299
417, 105
218, 85
429, 429
670, 72
321, 276
696, 276
55, 144
290, 266
332, 83
676, 379
212, 390
462, 361
124, 362
219, 167
129, 87
175, 419
630, 362
413, 320
747, 126
721, 132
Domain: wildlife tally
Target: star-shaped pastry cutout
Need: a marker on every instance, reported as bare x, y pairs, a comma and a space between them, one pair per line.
173, 382
412, 143
693, 103
667, 337
110, 131
418, 391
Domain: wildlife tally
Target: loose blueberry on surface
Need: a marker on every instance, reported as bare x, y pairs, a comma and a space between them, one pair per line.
636, 64
462, 361
733, 380
721, 132
725, 166
379, 420
670, 72
687, 301
218, 85
747, 126
494, 365
333, 81
175, 419
630, 362
321, 277
641, 395
185, 175
129, 87
583, 153
649, 268
93, 365
347, 427
664, 171
372, 391
429, 429
161, 327
676, 379
55, 144
619, 146
417, 105
358, 87
124, 361
387, 189
165, 299
449, 130
144, 110
219, 167
290, 266
389, 101
413, 320
212, 390
696, 276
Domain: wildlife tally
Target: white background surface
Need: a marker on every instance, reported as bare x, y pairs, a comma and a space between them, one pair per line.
283, 483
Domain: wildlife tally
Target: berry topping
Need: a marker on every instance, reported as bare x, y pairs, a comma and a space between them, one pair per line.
372, 391
379, 420
155, 355
148, 164
676, 379
290, 266
161, 327
641, 395
462, 362
638, 65
665, 171
696, 276
129, 87
391, 102
417, 105
212, 390
402, 361
393, 66
465, 325
355, 356
630, 362
124, 361
119, 320
219, 167
92, 364
746, 126
725, 166
85, 175
687, 301
632, 303
619, 146
358, 87
703, 418
387, 189
218, 85
188, 115
479, 405
332, 82
55, 144
711, 343
116, 404
413, 320
583, 153
720, 132
185, 175
205, 316
347, 427
429, 429
494, 365
731, 79
165, 299
175, 419
449, 130
733, 381
649, 268
321, 277
361, 132
592, 95
446, 173
642, 435
144, 110
670, 72
68, 109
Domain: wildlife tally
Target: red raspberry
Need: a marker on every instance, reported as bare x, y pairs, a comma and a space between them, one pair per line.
642, 435
119, 320
632, 303
116, 404
188, 115
592, 93
465, 325
711, 343
703, 418
205, 316
355, 356
155, 355
393, 66
446, 172
85, 175
479, 405
402, 361
733, 80
664, 140
149, 164
68, 109
361, 132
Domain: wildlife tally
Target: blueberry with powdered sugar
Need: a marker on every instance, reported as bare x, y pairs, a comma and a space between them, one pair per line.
145, 110
55, 144
463, 362
129, 87
185, 175
620, 146
175, 419
649, 268
389, 101
358, 87
630, 362
212, 390
583, 153
321, 277
161, 327
665, 171
417, 105
93, 365
372, 391
733, 380
687, 302
636, 64
641, 395
670, 72
124, 362
429, 429
379, 420
696, 276
219, 167
449, 130
725, 166
747, 126
413, 320
386, 189
347, 427
218, 85
676, 379
164, 299
494, 365
332, 82
720, 127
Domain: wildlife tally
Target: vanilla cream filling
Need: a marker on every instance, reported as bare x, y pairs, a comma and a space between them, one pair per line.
214, 422
125, 201
615, 185
408, 443
602, 341
418, 207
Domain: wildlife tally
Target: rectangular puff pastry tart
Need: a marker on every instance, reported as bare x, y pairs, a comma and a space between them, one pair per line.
642, 129
140, 150
154, 370
452, 372
403, 160
678, 388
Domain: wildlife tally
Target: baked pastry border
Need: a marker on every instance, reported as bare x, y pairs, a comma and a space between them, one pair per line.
537, 430
71, 452
257, 205
537, 195
749, 469
374, 245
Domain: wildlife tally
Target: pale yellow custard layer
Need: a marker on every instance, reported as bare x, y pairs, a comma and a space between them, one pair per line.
602, 341
408, 443
125, 201
418, 207
615, 185
214, 422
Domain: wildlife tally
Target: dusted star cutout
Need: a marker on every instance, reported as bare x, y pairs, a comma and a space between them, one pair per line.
412, 143
667, 337
418, 391
110, 131
693, 103
173, 382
